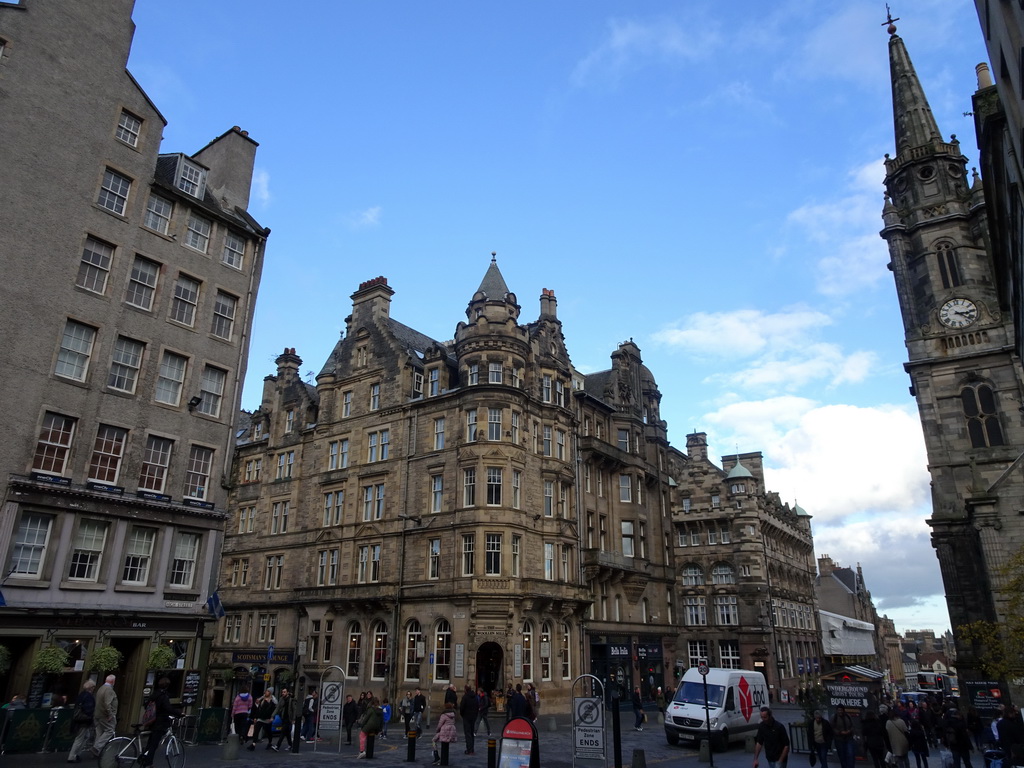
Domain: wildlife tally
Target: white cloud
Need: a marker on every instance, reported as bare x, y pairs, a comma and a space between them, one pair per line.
743, 332
841, 461
846, 231
861, 472
631, 45
786, 354
261, 186
365, 219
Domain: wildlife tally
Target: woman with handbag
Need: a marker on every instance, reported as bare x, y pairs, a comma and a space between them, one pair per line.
81, 722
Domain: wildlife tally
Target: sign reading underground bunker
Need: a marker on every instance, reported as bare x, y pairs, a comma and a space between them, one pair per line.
588, 730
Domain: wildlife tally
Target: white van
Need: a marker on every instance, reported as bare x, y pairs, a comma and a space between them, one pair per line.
735, 698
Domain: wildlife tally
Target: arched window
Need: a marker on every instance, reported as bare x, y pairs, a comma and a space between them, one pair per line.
545, 651
979, 404
380, 651
566, 645
355, 647
949, 269
527, 651
693, 575
723, 573
443, 651
413, 637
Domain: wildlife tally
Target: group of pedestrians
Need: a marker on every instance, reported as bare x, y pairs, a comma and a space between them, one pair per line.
893, 733
93, 719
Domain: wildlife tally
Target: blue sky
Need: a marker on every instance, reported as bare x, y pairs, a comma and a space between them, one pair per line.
702, 177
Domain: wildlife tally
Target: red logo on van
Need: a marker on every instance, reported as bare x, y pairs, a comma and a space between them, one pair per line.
746, 699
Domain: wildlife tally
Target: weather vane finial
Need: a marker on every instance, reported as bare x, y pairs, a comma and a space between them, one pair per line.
889, 20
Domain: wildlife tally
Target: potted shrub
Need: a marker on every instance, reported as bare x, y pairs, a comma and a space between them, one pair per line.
161, 657
52, 660
105, 659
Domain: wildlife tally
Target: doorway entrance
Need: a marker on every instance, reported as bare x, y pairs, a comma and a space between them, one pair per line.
488, 666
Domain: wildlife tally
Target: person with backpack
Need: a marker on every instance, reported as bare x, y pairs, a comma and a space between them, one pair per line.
161, 712
288, 710
372, 723
310, 706
81, 721
240, 709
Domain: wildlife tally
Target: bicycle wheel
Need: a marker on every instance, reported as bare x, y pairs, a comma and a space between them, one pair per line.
175, 752
119, 752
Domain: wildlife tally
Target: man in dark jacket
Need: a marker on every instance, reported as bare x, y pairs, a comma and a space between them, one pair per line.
164, 712
819, 737
842, 733
1011, 736
773, 738
288, 710
517, 705
469, 708
349, 715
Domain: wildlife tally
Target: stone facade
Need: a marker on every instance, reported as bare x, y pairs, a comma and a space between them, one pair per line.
475, 512
960, 336
127, 285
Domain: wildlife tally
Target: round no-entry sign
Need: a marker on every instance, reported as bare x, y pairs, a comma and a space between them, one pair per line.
703, 668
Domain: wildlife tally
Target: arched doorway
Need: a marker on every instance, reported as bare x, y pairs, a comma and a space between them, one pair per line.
488, 666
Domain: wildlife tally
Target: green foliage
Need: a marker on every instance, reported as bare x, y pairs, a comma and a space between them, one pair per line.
5, 659
105, 659
52, 659
161, 657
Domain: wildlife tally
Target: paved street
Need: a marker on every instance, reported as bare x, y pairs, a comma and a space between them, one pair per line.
555, 750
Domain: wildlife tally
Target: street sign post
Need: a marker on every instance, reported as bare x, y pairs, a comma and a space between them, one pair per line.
703, 667
589, 746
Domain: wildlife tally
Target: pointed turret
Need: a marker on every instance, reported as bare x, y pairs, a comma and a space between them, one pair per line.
912, 116
493, 285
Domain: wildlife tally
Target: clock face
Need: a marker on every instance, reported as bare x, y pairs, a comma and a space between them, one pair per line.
958, 313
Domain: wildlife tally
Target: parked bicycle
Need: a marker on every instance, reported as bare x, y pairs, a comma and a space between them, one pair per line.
124, 751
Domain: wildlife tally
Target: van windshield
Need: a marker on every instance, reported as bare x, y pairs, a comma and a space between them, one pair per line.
693, 693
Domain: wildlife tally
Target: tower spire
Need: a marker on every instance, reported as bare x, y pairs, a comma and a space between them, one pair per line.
493, 285
912, 116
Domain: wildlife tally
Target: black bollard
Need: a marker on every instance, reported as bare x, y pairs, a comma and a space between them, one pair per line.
297, 734
444, 753
492, 753
410, 737
370, 738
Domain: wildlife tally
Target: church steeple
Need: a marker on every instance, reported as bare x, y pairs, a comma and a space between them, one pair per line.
912, 116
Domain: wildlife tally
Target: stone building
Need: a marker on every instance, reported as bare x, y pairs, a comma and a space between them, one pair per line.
127, 282
745, 565
473, 511
958, 307
999, 121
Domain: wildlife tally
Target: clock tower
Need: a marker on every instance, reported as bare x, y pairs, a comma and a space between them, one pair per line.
964, 373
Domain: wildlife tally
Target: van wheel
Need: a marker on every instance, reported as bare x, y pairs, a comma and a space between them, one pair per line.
672, 739
723, 740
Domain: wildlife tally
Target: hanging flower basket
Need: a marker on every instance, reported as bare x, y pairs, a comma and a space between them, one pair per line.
105, 659
5, 659
161, 657
52, 659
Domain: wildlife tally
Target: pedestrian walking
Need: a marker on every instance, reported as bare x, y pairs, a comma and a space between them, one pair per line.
469, 708
819, 737
82, 722
842, 734
241, 707
773, 739
349, 717
288, 710
445, 732
638, 709
104, 715
310, 711
483, 708
899, 738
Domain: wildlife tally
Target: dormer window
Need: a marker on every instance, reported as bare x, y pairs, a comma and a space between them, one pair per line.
191, 177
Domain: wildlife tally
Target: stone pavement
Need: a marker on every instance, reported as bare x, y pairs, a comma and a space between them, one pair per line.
637, 750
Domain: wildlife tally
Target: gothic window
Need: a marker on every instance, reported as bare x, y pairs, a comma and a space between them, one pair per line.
979, 404
949, 268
